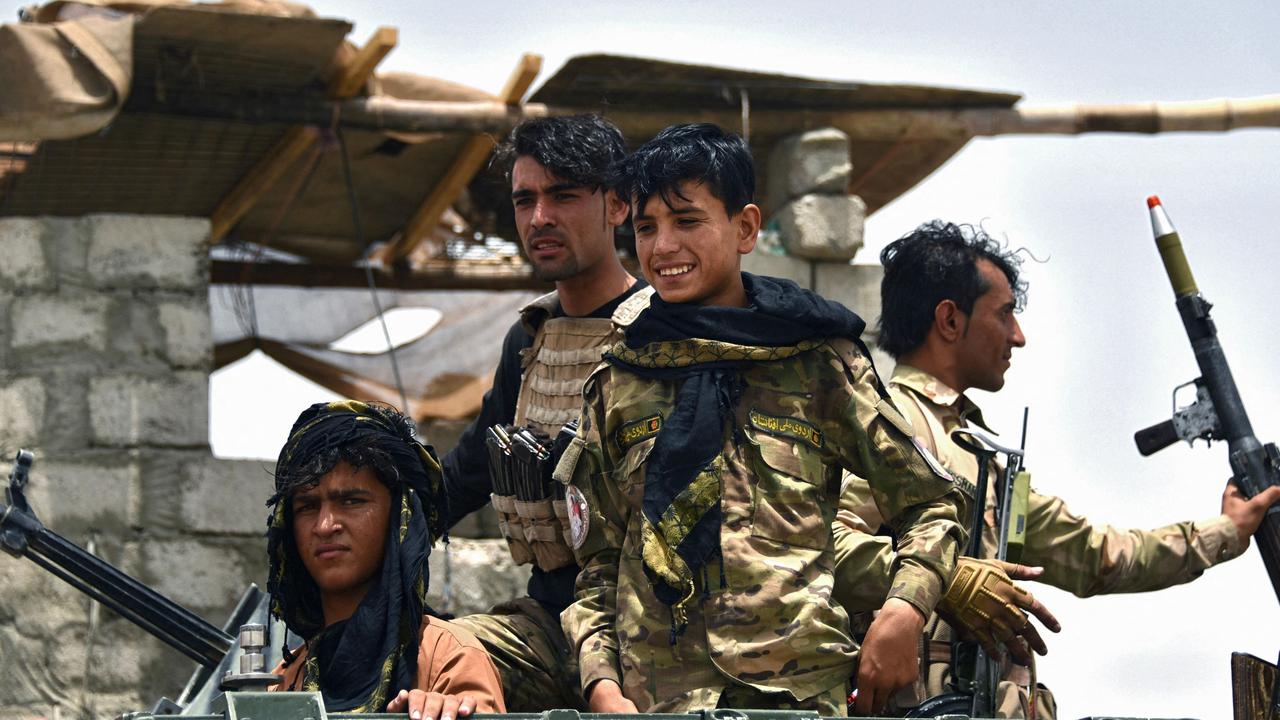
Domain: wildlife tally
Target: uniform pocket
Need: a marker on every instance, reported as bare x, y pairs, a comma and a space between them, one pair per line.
788, 493
630, 472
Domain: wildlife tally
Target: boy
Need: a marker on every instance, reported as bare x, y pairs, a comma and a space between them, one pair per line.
358, 503
705, 476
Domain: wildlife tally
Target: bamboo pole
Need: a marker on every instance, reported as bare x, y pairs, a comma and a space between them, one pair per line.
392, 114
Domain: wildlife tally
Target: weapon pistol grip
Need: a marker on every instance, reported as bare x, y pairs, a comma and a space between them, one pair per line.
1155, 438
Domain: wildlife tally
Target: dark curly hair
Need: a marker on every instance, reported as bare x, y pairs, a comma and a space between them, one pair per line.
698, 152
577, 148
937, 261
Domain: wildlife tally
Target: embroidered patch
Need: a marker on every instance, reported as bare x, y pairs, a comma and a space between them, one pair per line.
638, 431
793, 428
579, 516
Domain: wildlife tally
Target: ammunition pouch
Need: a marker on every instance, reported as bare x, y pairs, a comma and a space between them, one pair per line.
532, 514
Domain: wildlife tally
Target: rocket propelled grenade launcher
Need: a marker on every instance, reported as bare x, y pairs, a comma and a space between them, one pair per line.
1218, 412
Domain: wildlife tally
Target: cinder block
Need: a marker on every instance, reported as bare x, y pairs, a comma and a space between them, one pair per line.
481, 574
856, 286
37, 603
197, 574
70, 497
120, 654
168, 411
816, 161
24, 265
22, 407
148, 251
51, 319
762, 262
225, 496
189, 491
24, 680
188, 332
823, 227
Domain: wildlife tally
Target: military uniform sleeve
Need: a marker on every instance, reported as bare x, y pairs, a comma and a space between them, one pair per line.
466, 466
589, 623
915, 495
864, 560
1087, 559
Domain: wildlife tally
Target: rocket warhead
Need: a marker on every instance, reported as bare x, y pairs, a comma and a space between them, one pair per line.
1160, 223
1170, 246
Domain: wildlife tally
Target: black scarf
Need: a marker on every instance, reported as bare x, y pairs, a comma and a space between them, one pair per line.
707, 347
357, 664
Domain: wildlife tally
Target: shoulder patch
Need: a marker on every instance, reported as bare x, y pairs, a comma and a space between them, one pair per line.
628, 310
579, 516
788, 427
638, 431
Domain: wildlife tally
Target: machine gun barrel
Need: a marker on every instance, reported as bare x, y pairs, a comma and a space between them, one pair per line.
23, 535
1254, 467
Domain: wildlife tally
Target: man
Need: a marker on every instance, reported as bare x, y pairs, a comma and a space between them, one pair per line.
948, 303
566, 219
357, 504
705, 474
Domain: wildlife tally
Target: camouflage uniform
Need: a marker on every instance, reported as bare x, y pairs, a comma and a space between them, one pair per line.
765, 631
1077, 555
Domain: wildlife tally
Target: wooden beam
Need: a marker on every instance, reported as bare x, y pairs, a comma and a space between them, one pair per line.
465, 166
459, 403
229, 272
340, 380
296, 140
358, 71
237, 203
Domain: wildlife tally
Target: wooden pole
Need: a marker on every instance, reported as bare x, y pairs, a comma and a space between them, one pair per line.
468, 162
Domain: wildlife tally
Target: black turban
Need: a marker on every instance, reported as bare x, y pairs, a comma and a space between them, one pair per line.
359, 663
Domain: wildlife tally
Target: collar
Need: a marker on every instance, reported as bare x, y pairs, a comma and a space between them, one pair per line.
938, 393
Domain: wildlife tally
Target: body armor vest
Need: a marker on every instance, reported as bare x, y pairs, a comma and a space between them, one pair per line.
553, 370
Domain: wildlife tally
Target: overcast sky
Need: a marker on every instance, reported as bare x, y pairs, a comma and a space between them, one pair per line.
1105, 346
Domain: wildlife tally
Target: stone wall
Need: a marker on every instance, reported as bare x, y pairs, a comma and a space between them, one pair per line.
104, 365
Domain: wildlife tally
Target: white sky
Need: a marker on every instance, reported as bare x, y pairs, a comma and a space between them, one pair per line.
1105, 346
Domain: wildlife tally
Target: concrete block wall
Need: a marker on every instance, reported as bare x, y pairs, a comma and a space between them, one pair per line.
816, 229
105, 351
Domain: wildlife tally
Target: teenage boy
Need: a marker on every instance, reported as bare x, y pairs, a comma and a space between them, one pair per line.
357, 504
706, 473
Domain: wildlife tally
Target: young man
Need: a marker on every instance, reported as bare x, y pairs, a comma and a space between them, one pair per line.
706, 472
357, 504
566, 218
949, 298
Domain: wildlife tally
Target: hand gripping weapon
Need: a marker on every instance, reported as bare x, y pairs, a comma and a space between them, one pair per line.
1218, 411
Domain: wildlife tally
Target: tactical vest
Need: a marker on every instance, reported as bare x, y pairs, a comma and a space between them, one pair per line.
553, 369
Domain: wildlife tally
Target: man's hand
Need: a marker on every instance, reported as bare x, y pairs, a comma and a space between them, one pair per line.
890, 657
605, 696
1247, 513
423, 705
983, 602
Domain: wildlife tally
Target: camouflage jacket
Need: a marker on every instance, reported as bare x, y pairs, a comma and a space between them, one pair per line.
1077, 556
766, 618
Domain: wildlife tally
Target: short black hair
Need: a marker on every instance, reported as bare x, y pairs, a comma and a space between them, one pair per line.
698, 152
578, 148
937, 261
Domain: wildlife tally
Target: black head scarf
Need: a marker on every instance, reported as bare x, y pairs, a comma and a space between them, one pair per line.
707, 348
358, 663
